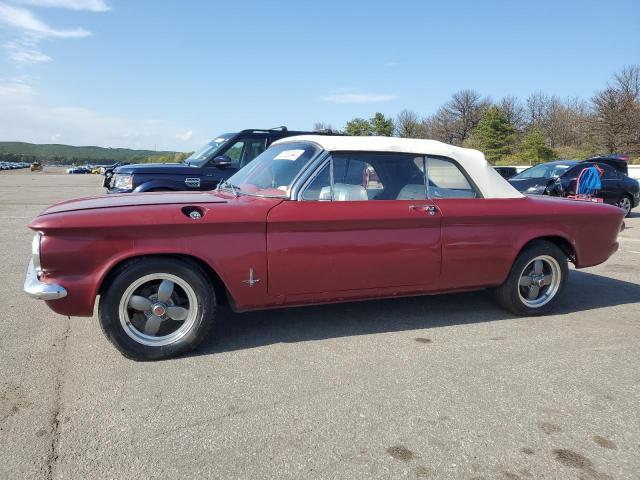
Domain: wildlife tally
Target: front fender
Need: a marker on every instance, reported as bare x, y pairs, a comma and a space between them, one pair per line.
230, 239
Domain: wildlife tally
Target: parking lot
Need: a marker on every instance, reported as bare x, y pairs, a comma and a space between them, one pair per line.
443, 387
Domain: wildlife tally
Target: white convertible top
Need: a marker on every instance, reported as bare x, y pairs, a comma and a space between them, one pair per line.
490, 183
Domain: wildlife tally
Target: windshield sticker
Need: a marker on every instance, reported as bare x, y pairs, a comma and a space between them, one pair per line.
289, 155
219, 140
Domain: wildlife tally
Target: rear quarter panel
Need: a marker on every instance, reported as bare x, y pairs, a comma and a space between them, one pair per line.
481, 238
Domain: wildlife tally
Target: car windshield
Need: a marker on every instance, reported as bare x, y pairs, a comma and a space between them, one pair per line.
546, 170
202, 156
272, 173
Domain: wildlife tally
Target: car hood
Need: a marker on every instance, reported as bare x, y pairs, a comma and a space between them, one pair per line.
523, 184
134, 199
159, 168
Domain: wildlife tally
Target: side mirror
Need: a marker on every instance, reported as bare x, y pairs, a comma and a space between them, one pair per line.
221, 161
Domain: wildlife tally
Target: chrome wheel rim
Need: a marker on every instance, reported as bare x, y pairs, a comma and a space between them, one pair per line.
158, 309
539, 281
625, 204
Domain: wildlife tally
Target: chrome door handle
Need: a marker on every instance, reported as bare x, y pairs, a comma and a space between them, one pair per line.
430, 209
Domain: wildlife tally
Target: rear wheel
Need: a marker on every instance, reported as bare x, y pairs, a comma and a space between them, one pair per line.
156, 308
536, 280
626, 204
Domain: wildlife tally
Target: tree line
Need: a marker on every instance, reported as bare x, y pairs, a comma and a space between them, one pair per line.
56, 154
536, 129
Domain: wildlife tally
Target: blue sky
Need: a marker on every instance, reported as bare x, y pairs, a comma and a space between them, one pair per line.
172, 74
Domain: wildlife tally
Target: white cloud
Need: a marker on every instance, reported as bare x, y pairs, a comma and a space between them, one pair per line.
33, 30
15, 89
349, 96
89, 5
24, 51
188, 135
23, 19
26, 116
29, 56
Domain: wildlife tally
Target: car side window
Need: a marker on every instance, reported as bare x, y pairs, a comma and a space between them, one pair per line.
254, 147
354, 178
610, 173
234, 152
573, 172
446, 180
320, 183
245, 150
368, 176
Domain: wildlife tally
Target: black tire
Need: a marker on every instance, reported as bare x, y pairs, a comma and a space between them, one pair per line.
120, 281
509, 294
628, 198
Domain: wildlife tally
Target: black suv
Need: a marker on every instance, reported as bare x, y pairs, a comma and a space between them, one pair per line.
559, 179
217, 160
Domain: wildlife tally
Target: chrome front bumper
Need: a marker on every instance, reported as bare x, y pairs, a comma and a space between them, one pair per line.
40, 290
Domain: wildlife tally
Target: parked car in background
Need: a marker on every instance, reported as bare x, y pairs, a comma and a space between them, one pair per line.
217, 160
13, 165
314, 219
79, 170
36, 167
559, 179
506, 172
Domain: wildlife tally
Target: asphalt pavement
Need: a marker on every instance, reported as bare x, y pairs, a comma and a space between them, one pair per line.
442, 387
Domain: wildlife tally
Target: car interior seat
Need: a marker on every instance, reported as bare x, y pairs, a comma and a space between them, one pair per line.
411, 192
343, 192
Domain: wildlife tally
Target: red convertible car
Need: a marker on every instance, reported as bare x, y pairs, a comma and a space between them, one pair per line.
313, 219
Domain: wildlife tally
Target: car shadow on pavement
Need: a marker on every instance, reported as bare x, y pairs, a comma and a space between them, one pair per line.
585, 291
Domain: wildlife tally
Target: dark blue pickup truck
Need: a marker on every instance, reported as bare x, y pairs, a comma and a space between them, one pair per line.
217, 160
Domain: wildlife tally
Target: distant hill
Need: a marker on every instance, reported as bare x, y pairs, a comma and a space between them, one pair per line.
66, 154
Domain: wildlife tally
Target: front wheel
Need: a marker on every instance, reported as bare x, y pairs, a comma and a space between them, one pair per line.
536, 280
156, 308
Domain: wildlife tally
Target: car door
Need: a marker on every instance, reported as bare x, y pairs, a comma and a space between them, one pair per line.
362, 223
568, 180
612, 182
240, 153
475, 231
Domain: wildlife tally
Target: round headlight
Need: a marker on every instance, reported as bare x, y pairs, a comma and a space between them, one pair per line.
35, 252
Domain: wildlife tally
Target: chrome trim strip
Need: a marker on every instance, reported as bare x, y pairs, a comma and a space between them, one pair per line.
40, 290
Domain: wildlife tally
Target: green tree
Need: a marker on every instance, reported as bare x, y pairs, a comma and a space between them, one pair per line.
494, 134
358, 126
381, 125
534, 148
